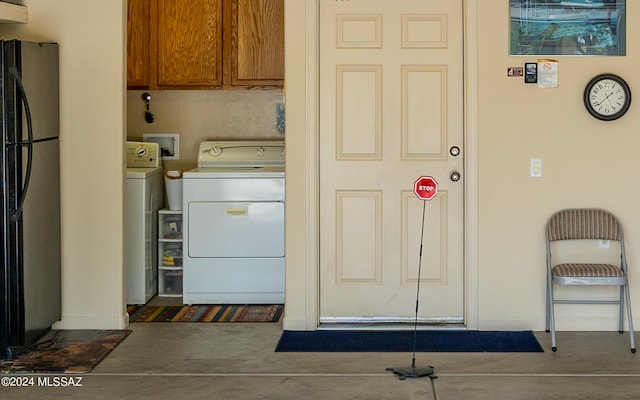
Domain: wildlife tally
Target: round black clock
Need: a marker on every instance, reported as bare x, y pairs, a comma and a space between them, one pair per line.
607, 97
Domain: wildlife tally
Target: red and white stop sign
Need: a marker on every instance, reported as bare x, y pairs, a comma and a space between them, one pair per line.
425, 188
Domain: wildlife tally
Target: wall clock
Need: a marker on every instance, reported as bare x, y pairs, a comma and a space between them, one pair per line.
607, 97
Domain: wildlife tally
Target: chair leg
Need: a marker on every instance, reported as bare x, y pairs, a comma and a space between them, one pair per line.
551, 318
549, 304
546, 319
621, 316
630, 319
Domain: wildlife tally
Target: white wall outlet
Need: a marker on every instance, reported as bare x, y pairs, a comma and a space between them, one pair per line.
169, 144
536, 167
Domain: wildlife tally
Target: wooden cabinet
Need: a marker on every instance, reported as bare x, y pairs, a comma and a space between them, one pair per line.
189, 42
205, 44
254, 42
138, 43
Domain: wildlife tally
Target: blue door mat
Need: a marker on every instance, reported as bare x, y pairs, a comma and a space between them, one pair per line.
402, 341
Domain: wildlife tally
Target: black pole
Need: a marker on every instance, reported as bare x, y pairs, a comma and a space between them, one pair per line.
412, 371
415, 323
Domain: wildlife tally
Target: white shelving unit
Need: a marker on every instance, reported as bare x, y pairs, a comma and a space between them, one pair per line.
170, 253
13, 13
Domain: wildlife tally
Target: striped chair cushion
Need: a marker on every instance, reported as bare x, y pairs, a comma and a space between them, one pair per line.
588, 270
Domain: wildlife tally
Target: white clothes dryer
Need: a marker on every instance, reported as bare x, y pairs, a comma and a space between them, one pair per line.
233, 224
144, 193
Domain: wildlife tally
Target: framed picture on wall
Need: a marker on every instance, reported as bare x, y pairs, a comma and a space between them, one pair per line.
572, 27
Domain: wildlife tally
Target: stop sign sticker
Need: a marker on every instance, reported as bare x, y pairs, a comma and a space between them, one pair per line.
425, 188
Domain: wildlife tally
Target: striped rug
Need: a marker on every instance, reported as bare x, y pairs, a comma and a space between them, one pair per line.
206, 313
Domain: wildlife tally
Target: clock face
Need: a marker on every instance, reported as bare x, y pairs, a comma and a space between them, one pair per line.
607, 97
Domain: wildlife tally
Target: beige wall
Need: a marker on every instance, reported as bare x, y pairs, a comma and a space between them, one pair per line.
91, 37
301, 188
586, 163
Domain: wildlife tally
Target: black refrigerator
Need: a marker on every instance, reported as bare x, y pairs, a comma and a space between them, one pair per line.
30, 275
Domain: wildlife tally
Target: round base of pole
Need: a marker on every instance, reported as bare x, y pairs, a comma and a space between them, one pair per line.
412, 372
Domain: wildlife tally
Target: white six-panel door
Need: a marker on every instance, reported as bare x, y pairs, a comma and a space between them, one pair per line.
391, 110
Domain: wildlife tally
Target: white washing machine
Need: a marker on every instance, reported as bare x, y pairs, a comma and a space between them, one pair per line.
144, 199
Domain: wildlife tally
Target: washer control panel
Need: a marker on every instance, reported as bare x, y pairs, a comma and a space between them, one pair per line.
143, 155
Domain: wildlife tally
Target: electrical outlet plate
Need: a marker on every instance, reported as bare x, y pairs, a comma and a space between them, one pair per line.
169, 144
536, 167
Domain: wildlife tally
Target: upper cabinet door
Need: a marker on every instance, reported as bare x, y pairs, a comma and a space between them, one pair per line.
138, 43
254, 41
205, 44
189, 45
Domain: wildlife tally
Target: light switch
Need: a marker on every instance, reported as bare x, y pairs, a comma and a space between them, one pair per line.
536, 167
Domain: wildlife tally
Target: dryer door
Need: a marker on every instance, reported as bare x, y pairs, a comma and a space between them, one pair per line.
236, 229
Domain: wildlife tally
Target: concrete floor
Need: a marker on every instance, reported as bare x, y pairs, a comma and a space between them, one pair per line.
237, 361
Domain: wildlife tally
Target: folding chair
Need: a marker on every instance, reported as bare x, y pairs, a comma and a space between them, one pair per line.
586, 224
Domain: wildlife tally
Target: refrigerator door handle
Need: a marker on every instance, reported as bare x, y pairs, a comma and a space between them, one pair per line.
15, 214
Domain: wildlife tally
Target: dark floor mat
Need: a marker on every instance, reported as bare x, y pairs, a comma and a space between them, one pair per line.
403, 341
66, 351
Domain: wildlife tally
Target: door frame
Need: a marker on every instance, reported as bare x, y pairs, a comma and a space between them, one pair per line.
303, 169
